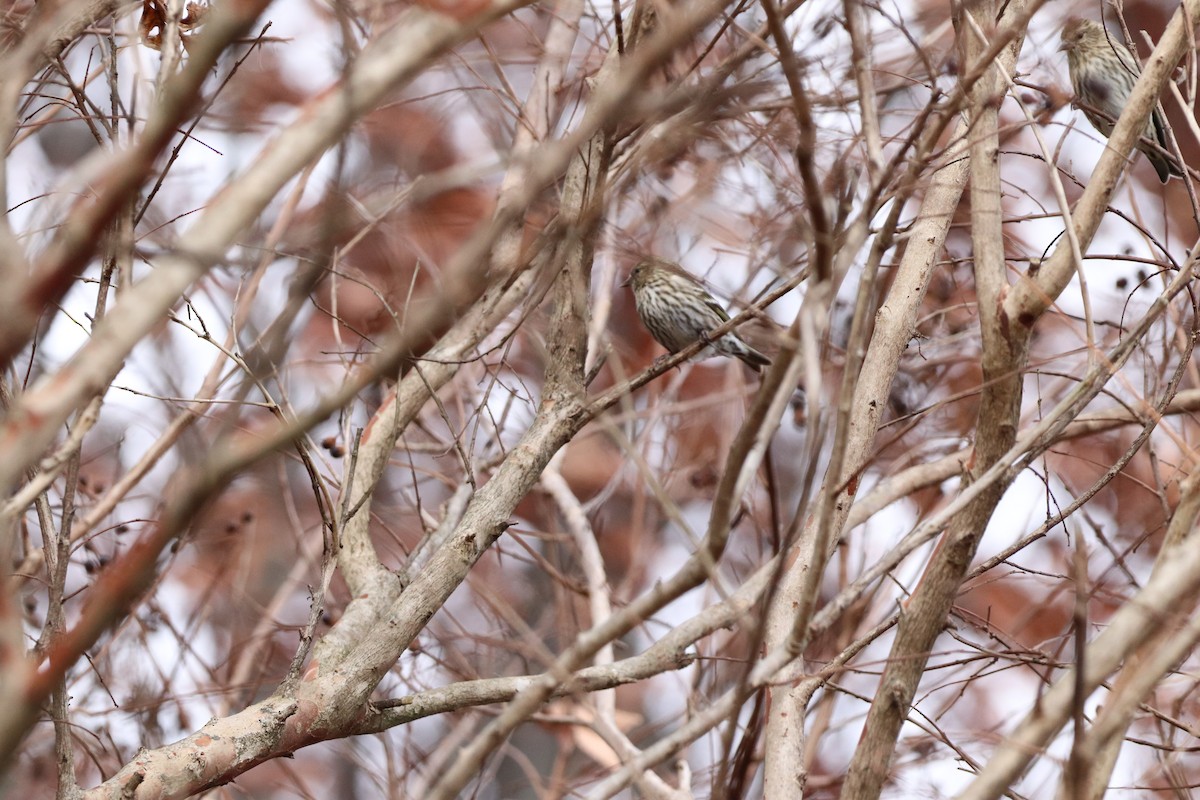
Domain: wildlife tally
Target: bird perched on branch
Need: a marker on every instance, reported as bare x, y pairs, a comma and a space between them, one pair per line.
1103, 72
678, 311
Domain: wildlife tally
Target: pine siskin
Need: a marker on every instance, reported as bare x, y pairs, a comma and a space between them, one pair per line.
1103, 72
678, 311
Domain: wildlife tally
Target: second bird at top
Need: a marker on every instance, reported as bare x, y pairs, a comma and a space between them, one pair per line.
1103, 72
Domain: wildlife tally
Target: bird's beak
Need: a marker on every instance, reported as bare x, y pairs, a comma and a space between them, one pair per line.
1063, 47
627, 282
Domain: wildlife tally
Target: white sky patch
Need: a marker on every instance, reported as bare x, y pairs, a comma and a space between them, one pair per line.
935, 778
312, 54
1022, 508
163, 656
31, 177
666, 705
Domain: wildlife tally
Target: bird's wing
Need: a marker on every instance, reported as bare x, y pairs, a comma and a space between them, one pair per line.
717, 309
1160, 131
1126, 57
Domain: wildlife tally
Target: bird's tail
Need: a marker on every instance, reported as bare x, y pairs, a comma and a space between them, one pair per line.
1163, 164
753, 359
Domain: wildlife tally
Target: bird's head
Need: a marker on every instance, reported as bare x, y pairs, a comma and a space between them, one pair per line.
634, 274
1080, 32
654, 269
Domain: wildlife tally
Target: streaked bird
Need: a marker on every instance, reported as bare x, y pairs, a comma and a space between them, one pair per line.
1103, 72
678, 311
